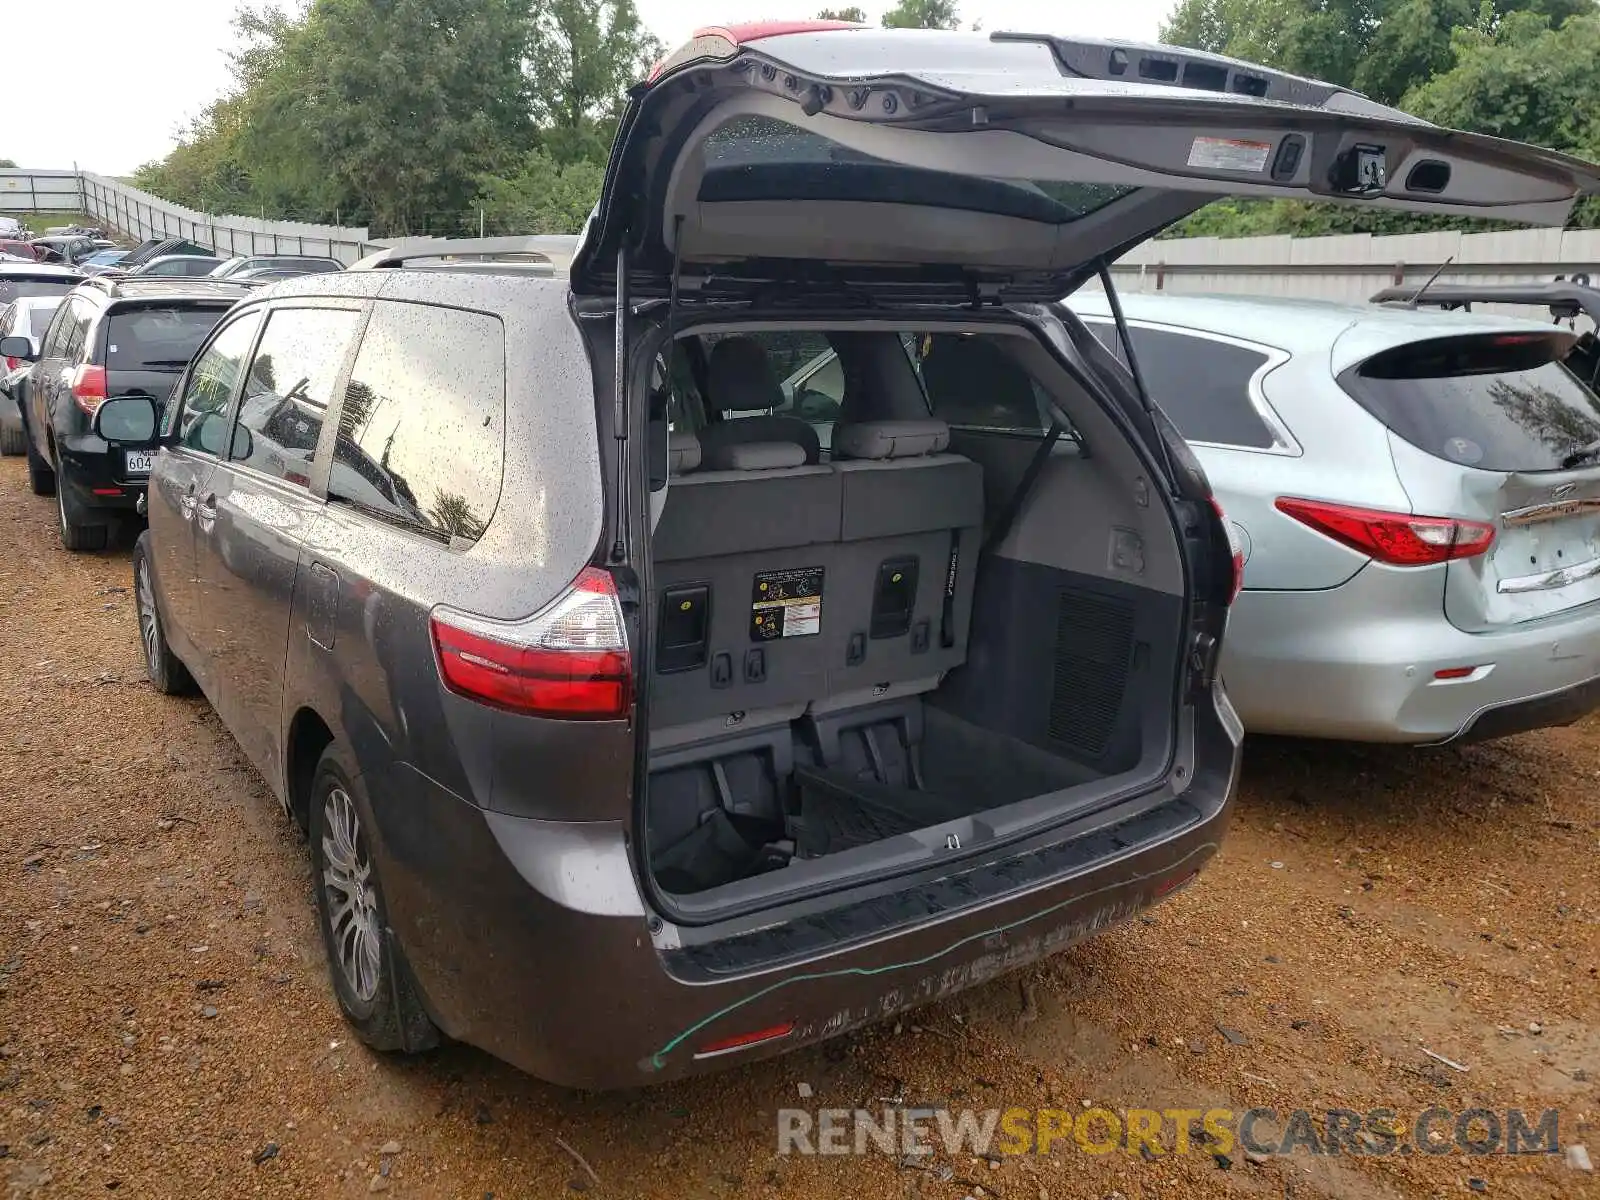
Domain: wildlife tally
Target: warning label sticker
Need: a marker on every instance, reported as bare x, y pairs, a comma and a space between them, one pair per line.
1229, 154
786, 604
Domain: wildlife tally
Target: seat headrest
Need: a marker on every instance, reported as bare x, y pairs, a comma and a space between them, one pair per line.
891, 439
971, 381
739, 377
683, 452
754, 456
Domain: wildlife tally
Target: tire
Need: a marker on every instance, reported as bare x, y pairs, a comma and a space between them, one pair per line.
41, 478
370, 975
167, 672
76, 533
13, 442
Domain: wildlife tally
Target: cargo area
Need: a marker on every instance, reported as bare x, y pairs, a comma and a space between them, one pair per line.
893, 615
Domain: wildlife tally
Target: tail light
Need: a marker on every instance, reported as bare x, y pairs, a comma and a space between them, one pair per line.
1398, 539
89, 387
569, 660
1234, 549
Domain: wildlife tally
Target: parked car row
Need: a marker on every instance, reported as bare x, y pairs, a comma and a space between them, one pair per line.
796, 613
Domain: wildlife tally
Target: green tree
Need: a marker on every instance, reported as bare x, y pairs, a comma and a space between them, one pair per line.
852, 13
922, 14
582, 57
542, 196
7, 164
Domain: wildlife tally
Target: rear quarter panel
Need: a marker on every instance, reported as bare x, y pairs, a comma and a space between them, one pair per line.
1340, 454
371, 675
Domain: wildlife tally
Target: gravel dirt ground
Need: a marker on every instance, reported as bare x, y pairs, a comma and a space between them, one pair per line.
167, 1028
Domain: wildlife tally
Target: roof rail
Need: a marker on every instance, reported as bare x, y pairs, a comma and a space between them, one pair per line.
1565, 298
534, 247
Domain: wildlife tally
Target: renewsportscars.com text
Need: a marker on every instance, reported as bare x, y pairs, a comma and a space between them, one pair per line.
992, 1132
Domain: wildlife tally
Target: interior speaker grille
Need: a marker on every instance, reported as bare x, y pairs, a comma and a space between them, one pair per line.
1094, 644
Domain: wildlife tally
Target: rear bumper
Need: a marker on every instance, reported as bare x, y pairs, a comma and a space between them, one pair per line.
524, 943
1359, 662
1541, 712
91, 464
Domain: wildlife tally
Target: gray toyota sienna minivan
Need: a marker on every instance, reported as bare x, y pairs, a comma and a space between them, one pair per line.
634, 733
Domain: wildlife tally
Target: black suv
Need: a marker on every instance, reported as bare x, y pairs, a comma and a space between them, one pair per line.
107, 339
634, 732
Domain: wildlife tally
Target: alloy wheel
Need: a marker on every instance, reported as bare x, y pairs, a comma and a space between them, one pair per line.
149, 628
352, 902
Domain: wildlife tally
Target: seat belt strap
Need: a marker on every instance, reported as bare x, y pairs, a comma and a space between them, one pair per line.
947, 615
1013, 509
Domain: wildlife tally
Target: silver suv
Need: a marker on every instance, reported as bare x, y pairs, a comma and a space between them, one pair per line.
1418, 497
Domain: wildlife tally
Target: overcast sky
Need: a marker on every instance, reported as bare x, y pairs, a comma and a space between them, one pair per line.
113, 130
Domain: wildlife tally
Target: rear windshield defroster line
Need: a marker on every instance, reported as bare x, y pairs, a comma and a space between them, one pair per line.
1495, 402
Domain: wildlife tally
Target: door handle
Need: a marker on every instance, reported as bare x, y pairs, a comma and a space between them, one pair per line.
207, 510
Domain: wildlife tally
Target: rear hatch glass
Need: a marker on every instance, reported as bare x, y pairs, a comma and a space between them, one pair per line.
1498, 402
15, 289
157, 338
1501, 428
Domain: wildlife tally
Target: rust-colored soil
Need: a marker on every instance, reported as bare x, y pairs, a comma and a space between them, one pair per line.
165, 1015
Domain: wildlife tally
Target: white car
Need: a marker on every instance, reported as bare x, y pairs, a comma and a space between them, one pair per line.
26, 317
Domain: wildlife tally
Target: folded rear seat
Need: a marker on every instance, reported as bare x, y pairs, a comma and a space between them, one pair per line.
911, 515
744, 543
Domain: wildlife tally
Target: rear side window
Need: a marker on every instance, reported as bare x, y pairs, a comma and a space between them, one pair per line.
1499, 402
973, 384
76, 331
157, 338
421, 437
288, 389
1203, 385
34, 319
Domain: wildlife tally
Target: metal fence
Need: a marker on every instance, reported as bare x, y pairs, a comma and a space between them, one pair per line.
139, 215
1347, 267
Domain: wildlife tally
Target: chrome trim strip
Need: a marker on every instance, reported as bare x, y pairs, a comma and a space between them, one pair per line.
1547, 580
1551, 511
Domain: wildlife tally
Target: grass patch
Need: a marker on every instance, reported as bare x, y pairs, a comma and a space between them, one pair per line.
39, 222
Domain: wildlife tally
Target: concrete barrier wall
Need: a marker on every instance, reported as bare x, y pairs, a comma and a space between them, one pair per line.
1354, 266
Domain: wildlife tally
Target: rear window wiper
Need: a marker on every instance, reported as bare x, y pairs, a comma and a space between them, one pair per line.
1581, 455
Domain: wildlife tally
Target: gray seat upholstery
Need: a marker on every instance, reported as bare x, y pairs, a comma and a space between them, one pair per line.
907, 508
739, 379
739, 513
683, 453
884, 538
890, 439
